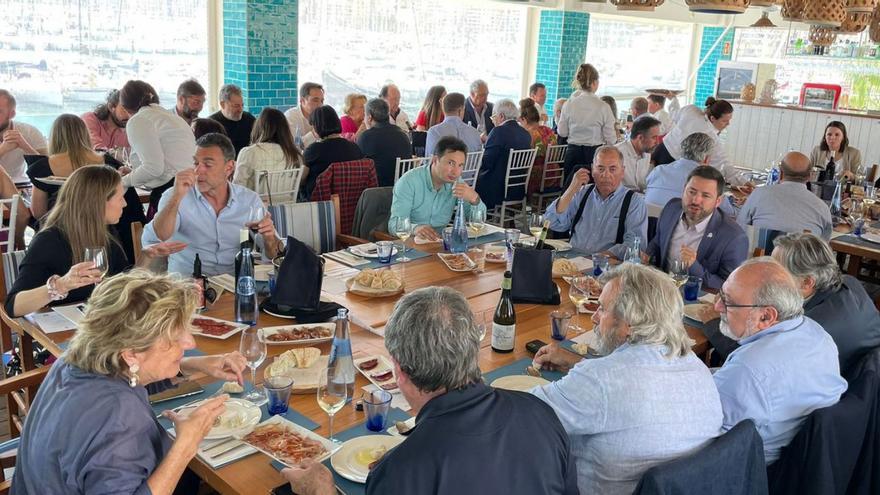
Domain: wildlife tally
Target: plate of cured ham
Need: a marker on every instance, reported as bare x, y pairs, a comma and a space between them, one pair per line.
287, 442
379, 371
215, 328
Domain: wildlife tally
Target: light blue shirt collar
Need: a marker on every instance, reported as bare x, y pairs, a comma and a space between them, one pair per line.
782, 326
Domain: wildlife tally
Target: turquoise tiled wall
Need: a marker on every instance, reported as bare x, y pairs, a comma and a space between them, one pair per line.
562, 44
706, 76
260, 51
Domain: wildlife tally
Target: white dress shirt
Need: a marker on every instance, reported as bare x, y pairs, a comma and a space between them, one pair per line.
401, 121
686, 235
586, 120
636, 167
690, 120
13, 161
162, 144
300, 126
665, 120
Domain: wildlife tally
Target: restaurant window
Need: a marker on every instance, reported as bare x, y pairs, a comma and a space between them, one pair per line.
59, 56
634, 55
356, 46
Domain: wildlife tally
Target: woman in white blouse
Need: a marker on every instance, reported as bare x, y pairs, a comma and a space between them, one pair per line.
273, 150
711, 120
162, 144
586, 122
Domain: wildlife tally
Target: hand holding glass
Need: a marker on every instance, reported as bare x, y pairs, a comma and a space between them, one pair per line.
98, 255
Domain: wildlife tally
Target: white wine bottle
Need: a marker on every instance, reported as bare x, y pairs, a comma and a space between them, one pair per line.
504, 323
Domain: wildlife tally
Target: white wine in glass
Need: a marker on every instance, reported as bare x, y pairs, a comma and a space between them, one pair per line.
579, 294
98, 255
678, 270
402, 229
536, 224
332, 393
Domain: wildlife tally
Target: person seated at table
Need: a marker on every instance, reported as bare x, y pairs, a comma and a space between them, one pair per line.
452, 125
612, 103
311, 97
649, 400
694, 230
538, 94
91, 428
332, 147
478, 108
557, 112
238, 123
201, 126
428, 195
469, 437
657, 109
834, 157
837, 302
788, 206
396, 115
383, 141
666, 182
638, 107
352, 122
272, 150
190, 100
16, 140
506, 136
431, 112
54, 269
603, 216
106, 123
637, 152
208, 212
69, 150
786, 366
542, 138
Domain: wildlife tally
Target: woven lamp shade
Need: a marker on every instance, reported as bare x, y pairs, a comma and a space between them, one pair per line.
793, 10
866, 6
718, 6
827, 13
874, 27
855, 22
637, 5
822, 36
765, 3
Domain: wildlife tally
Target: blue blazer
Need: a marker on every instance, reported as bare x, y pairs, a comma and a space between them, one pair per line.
490, 182
724, 246
470, 115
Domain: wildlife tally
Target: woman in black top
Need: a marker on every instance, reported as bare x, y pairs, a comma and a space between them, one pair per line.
70, 149
332, 147
53, 270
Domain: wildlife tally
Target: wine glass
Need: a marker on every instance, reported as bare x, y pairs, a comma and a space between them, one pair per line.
579, 293
253, 348
483, 320
98, 255
332, 394
536, 225
477, 220
402, 228
678, 270
255, 216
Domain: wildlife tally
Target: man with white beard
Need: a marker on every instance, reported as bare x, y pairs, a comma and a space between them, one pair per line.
786, 366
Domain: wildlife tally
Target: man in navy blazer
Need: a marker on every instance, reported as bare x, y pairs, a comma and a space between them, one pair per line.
477, 109
702, 236
508, 135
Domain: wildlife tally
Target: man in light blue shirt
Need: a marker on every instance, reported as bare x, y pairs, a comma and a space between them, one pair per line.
786, 366
208, 212
648, 401
599, 227
427, 195
666, 182
452, 125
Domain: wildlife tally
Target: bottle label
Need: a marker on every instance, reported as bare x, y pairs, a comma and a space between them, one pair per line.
246, 286
503, 336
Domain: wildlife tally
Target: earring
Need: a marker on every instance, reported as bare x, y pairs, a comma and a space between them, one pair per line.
132, 375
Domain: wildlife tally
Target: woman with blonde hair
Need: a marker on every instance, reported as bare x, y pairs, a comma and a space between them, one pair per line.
54, 269
272, 150
91, 428
353, 120
431, 113
586, 122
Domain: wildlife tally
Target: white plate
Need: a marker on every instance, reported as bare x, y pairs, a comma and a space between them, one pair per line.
393, 431
279, 315
383, 366
237, 327
52, 180
290, 425
346, 463
560, 245
445, 256
871, 237
369, 250
267, 331
521, 383
247, 412
498, 250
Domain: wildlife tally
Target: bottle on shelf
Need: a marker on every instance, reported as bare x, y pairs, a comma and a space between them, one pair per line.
246, 287
200, 282
459, 230
340, 353
504, 322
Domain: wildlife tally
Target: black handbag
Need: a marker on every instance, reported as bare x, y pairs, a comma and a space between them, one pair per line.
533, 276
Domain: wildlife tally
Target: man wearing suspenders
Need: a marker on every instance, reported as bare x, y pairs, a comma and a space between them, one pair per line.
603, 216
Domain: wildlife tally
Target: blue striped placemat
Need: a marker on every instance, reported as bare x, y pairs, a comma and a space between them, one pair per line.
518, 368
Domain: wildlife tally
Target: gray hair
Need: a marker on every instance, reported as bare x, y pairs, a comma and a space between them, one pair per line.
607, 149
476, 85
432, 335
697, 146
650, 303
378, 110
805, 255
227, 90
777, 290
218, 140
506, 108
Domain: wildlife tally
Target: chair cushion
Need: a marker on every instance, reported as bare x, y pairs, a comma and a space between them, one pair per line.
11, 262
312, 223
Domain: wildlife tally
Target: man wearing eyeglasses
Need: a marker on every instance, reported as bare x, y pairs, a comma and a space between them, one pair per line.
190, 100
786, 365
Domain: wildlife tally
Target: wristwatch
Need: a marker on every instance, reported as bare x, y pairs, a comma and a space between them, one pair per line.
52, 287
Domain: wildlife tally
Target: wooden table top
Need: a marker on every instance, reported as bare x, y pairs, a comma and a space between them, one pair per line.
254, 474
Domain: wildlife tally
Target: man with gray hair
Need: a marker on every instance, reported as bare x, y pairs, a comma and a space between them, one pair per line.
469, 437
788, 206
478, 109
666, 182
786, 366
604, 216
383, 142
235, 120
507, 135
615, 437
190, 100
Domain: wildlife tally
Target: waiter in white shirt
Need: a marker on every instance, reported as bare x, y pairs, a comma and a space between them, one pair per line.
586, 121
657, 108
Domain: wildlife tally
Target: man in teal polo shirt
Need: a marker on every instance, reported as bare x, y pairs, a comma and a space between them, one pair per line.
427, 195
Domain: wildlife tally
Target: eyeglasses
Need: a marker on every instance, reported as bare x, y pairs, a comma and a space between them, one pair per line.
722, 298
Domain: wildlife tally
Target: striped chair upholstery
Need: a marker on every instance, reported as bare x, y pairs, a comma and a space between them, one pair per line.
312, 223
11, 262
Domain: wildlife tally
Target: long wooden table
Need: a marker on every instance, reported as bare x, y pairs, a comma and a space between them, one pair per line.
254, 474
